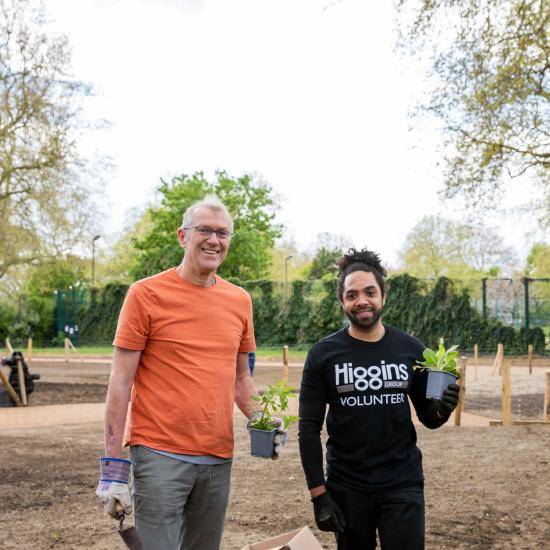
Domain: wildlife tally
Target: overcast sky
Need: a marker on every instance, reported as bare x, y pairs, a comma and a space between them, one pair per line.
307, 93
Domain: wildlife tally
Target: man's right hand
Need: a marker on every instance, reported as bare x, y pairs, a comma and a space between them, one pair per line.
113, 485
328, 515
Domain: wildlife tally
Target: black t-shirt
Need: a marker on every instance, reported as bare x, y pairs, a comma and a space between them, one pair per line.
371, 442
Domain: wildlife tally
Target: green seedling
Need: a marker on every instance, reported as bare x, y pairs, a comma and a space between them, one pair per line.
273, 402
441, 359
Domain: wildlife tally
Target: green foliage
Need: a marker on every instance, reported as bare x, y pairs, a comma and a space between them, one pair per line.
273, 402
313, 312
295, 315
99, 319
324, 264
251, 205
445, 312
441, 359
538, 261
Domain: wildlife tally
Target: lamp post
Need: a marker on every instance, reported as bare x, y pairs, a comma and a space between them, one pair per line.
93, 257
286, 274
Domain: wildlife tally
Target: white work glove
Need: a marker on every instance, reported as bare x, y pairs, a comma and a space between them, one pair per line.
280, 438
113, 486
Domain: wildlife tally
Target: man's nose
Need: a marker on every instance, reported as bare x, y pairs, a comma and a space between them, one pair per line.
213, 238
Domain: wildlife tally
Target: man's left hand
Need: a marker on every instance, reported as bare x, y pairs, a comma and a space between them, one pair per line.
280, 437
449, 401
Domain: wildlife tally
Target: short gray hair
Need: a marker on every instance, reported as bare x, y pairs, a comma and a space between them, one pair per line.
210, 201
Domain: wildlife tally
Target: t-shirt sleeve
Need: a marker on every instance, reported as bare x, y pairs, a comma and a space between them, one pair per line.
313, 399
248, 342
134, 320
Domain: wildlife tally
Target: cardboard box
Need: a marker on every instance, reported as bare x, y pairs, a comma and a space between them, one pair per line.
300, 539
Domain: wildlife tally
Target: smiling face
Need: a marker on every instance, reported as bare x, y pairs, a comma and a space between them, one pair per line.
362, 300
204, 254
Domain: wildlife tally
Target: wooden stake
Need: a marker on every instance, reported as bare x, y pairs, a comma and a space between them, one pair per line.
69, 346
546, 408
506, 394
530, 357
285, 363
22, 385
462, 394
8, 346
9, 387
497, 365
29, 349
476, 360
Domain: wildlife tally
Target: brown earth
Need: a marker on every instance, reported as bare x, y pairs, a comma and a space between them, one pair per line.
485, 487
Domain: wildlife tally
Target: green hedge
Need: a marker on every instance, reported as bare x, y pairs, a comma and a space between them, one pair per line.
312, 311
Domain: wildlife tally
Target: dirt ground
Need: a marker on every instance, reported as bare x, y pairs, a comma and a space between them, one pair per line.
486, 487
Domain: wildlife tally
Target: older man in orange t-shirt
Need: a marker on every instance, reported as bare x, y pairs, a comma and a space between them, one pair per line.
181, 359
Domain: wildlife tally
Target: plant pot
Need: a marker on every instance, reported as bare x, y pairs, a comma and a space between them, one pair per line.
438, 380
261, 442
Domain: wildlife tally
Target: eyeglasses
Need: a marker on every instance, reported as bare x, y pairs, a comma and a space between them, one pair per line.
205, 231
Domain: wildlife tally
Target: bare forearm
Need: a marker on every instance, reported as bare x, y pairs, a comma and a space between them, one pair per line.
116, 409
244, 390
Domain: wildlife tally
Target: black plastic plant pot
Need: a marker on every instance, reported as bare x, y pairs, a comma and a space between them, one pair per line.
261, 442
438, 380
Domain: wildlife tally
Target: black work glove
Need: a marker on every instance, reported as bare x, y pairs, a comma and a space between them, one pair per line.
449, 401
328, 515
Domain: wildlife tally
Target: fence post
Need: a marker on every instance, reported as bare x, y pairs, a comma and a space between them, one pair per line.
530, 357
29, 349
285, 363
546, 409
462, 394
506, 394
476, 360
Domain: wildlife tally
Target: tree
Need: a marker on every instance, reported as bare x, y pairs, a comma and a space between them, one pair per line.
252, 205
538, 261
329, 249
43, 203
491, 66
438, 247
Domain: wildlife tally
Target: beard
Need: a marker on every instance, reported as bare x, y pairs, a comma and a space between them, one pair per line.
364, 323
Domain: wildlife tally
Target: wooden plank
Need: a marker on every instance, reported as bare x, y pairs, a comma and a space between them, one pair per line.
520, 422
22, 385
530, 357
29, 349
476, 360
9, 387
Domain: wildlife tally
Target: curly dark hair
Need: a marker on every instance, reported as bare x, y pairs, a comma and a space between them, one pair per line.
363, 260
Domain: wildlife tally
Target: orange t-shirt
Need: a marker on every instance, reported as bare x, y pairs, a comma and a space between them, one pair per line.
184, 388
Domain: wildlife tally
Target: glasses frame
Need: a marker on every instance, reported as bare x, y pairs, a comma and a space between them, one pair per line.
197, 228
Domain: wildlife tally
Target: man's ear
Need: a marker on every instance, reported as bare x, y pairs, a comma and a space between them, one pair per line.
384, 299
181, 237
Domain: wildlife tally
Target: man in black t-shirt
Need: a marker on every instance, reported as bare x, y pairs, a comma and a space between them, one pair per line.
365, 373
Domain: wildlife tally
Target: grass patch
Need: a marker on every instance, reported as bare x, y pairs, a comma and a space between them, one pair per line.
262, 353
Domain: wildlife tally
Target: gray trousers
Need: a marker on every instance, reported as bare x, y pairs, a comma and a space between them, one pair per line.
178, 505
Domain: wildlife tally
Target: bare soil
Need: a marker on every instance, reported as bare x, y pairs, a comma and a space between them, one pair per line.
485, 487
